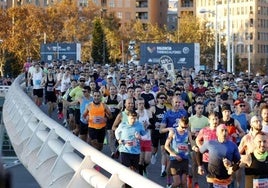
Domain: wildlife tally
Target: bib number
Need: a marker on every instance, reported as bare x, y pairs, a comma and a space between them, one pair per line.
219, 186
98, 120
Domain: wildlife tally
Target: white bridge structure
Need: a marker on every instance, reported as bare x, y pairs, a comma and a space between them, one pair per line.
52, 154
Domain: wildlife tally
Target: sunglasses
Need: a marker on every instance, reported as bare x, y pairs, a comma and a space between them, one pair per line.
242, 105
82, 80
184, 127
177, 93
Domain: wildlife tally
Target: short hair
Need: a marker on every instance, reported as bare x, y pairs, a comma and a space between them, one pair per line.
260, 133
87, 88
160, 94
132, 113
184, 120
130, 88
215, 114
263, 107
199, 103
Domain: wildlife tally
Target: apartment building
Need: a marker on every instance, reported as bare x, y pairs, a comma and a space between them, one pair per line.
148, 11
3, 4
248, 23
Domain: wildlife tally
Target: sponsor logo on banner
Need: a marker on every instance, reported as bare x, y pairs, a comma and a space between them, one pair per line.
167, 63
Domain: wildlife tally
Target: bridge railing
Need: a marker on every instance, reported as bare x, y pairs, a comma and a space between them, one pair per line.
53, 155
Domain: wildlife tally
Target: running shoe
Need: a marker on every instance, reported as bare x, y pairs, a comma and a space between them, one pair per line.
153, 159
163, 174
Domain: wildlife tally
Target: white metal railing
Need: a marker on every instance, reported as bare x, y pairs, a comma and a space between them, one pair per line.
53, 155
3, 90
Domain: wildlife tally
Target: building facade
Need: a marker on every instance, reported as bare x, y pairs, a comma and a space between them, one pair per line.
247, 31
148, 11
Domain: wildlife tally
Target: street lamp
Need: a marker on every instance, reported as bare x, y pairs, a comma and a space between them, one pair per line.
228, 37
249, 63
203, 11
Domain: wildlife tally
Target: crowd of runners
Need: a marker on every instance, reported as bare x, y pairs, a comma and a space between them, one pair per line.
210, 123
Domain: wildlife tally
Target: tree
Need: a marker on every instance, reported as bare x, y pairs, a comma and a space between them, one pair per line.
192, 31
99, 51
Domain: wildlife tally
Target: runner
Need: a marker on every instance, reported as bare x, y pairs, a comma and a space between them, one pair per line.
178, 149
97, 113
158, 112
223, 158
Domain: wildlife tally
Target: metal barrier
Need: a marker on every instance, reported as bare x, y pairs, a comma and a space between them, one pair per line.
53, 155
3, 90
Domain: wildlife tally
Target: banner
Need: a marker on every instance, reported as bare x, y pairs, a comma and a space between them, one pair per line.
180, 54
260, 183
167, 63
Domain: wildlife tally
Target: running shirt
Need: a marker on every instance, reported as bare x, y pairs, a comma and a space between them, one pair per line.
171, 118
50, 84
96, 116
242, 119
112, 105
145, 119
217, 152
124, 117
206, 134
180, 145
83, 106
198, 123
158, 116
65, 83
126, 133
76, 93
257, 167
37, 79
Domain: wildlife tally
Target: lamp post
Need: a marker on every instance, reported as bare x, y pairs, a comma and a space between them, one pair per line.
228, 37
249, 63
2, 60
233, 53
203, 11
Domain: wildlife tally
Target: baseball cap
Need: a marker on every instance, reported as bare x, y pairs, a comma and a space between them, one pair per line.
82, 78
239, 101
109, 76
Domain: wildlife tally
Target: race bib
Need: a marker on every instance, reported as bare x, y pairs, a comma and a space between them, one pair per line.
183, 147
219, 186
98, 120
130, 143
38, 82
50, 88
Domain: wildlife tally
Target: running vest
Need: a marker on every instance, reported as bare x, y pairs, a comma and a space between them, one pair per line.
96, 115
257, 168
158, 116
242, 119
37, 79
112, 103
50, 84
180, 144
